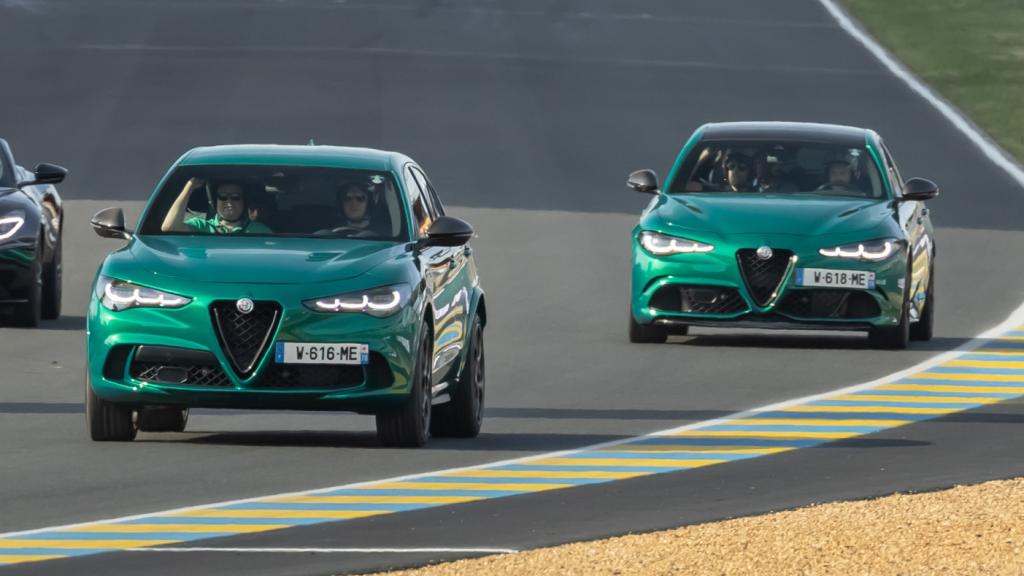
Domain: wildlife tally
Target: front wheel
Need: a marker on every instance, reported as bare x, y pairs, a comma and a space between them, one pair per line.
108, 422
163, 419
52, 279
893, 337
646, 333
409, 426
464, 415
924, 328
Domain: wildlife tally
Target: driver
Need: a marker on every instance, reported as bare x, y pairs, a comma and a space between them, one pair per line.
840, 171
234, 214
739, 173
355, 206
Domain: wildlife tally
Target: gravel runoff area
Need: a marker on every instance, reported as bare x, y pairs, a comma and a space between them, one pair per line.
964, 531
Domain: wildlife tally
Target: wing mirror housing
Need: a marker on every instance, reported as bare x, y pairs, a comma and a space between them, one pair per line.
644, 181
919, 189
46, 174
447, 231
109, 223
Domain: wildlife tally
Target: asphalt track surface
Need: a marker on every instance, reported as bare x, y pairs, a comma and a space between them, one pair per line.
527, 115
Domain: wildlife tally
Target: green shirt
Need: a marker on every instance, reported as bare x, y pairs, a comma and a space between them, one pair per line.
215, 226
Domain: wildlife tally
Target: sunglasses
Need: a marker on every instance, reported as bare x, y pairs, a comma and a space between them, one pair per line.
360, 199
229, 197
738, 166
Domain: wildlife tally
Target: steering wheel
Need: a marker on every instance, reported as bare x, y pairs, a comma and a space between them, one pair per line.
351, 232
829, 186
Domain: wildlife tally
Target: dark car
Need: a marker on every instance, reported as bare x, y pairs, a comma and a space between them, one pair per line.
31, 214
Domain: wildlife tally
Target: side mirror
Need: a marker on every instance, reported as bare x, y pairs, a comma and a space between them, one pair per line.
645, 181
46, 174
447, 231
920, 189
109, 223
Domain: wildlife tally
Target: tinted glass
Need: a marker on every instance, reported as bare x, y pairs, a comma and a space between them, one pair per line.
278, 201
421, 212
789, 167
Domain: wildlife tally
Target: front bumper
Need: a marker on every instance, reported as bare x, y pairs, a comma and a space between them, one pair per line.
15, 273
712, 291
147, 356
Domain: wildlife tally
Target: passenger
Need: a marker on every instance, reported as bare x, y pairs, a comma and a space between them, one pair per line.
233, 215
355, 202
840, 172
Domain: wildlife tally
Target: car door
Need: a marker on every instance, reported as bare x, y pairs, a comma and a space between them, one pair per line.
917, 228
440, 270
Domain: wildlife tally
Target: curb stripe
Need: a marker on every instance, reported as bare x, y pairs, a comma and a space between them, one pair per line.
981, 373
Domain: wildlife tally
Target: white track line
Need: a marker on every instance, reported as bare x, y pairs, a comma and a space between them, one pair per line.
333, 550
992, 151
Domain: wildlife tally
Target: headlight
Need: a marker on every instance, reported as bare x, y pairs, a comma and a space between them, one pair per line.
663, 244
119, 295
870, 251
10, 223
379, 302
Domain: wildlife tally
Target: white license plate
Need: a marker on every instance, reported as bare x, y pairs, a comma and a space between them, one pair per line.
826, 278
316, 353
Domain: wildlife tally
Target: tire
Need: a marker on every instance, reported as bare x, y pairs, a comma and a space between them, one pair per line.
922, 330
52, 280
30, 313
163, 419
894, 337
108, 422
409, 425
646, 333
464, 415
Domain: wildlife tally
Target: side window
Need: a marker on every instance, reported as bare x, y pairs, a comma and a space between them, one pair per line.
435, 202
421, 211
894, 173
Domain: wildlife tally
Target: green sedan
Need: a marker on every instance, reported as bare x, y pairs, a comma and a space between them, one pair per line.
784, 225
288, 277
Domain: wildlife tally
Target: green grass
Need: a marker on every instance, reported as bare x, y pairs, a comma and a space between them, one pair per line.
971, 51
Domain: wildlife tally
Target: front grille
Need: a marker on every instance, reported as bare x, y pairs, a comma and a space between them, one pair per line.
198, 376
698, 300
763, 276
244, 337
284, 377
830, 304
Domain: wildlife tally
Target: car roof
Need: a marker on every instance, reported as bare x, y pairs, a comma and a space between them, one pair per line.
293, 155
807, 131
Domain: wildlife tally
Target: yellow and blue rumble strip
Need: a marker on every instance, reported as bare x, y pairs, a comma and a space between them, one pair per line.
990, 370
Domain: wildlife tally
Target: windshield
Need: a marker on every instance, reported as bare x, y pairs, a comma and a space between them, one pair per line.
783, 167
278, 201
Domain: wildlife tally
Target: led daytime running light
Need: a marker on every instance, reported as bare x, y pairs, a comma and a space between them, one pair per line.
16, 222
337, 304
661, 244
137, 299
861, 253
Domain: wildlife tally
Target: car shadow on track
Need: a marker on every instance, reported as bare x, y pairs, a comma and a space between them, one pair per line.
812, 341
486, 442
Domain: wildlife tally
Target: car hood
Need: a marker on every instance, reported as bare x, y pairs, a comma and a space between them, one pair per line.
797, 215
263, 260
